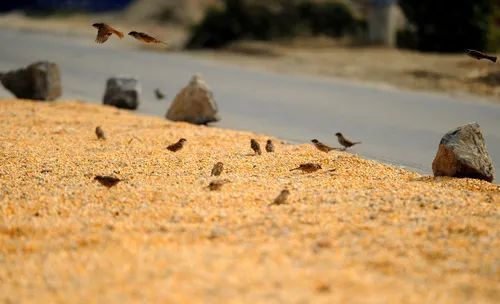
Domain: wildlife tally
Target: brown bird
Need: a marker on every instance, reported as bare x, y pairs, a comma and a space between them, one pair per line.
344, 141
281, 198
269, 146
104, 31
145, 37
255, 146
159, 94
108, 181
308, 167
217, 169
177, 146
479, 55
100, 133
321, 146
217, 184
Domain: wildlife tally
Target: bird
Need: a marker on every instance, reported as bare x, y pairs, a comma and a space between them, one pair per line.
321, 146
217, 169
308, 167
480, 55
107, 181
281, 198
145, 37
269, 146
177, 146
100, 133
217, 184
104, 31
344, 141
255, 147
159, 94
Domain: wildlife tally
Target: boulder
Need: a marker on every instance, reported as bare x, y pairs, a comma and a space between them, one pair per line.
122, 92
194, 104
38, 81
462, 153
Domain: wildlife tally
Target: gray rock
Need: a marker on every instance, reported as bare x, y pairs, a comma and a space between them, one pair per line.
38, 81
122, 92
462, 153
194, 104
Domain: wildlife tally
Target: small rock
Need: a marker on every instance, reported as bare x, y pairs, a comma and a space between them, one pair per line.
122, 92
194, 104
462, 153
38, 81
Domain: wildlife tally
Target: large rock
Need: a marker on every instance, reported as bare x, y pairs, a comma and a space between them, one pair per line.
194, 104
462, 153
122, 92
38, 81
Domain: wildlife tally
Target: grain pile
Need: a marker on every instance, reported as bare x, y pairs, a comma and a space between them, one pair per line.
355, 231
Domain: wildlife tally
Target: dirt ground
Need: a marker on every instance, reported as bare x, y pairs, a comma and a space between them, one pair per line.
356, 231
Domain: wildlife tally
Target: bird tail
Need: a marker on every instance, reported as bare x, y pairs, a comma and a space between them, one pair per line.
356, 143
295, 169
118, 33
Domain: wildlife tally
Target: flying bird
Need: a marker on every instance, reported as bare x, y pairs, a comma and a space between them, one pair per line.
143, 37
281, 198
217, 169
321, 146
479, 55
107, 181
104, 31
308, 167
177, 146
159, 94
344, 141
269, 146
255, 147
100, 133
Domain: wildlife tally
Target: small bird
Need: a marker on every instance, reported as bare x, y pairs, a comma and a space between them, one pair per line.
145, 37
269, 146
177, 146
217, 169
100, 133
159, 94
104, 31
479, 55
107, 181
308, 167
321, 146
255, 147
344, 141
217, 184
281, 198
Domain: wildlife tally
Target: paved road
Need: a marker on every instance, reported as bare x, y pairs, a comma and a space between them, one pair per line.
398, 127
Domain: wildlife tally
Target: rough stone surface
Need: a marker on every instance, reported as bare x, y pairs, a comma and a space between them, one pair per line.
122, 92
462, 153
194, 104
38, 81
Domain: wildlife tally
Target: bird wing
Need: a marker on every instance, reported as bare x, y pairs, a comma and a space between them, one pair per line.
102, 35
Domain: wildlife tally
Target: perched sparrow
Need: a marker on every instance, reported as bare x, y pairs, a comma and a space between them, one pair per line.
479, 55
345, 142
145, 37
269, 146
308, 167
321, 146
281, 198
99, 133
255, 146
217, 184
177, 146
108, 181
217, 169
159, 94
104, 31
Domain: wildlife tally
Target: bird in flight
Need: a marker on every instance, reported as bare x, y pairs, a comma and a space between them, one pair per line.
479, 55
344, 141
104, 31
159, 94
145, 37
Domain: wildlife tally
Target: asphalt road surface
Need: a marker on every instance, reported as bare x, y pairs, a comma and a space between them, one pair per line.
395, 126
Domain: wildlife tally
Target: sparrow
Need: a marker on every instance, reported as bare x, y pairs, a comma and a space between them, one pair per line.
145, 37
159, 94
255, 146
269, 146
107, 181
177, 146
308, 167
100, 133
281, 198
217, 184
479, 55
321, 146
345, 142
217, 169
104, 31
